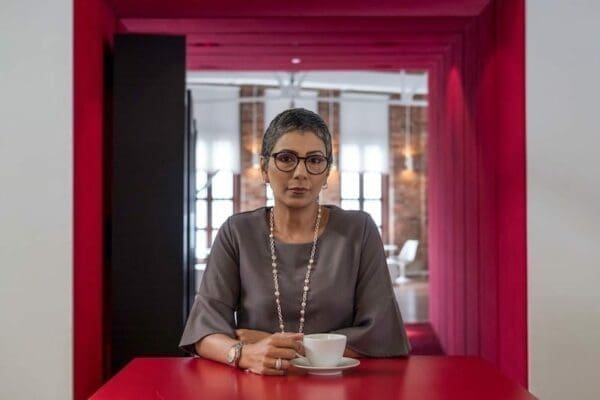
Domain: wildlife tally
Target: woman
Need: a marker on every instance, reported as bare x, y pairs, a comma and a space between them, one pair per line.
297, 267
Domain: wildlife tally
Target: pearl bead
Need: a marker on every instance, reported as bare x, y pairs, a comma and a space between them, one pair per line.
301, 312
303, 304
301, 319
277, 294
306, 288
311, 261
306, 281
273, 264
273, 258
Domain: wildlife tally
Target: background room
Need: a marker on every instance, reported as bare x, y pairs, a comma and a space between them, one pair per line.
378, 122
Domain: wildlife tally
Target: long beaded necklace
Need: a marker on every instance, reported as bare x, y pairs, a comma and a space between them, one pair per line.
309, 268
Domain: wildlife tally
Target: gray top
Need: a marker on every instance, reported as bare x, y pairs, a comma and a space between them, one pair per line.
350, 288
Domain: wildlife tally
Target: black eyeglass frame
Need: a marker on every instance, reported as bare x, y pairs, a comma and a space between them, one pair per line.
298, 159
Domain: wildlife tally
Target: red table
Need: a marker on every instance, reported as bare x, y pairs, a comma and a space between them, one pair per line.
418, 377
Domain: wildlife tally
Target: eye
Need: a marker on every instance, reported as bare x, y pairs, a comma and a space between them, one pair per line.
286, 157
316, 160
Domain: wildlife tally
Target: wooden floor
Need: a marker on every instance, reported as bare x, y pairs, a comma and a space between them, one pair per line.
413, 300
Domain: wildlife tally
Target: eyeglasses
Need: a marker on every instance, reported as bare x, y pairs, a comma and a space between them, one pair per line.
286, 161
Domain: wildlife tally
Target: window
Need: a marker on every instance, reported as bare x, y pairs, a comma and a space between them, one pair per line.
270, 197
364, 191
215, 201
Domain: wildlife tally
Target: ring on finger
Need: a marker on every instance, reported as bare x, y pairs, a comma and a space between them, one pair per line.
278, 363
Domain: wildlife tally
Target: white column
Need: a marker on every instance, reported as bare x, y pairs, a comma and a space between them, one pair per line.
563, 197
36, 205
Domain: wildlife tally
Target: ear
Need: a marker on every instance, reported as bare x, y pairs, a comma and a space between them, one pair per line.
263, 169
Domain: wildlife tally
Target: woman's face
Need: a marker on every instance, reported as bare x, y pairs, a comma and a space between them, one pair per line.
297, 188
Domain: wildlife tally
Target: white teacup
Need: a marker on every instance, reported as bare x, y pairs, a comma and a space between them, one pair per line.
324, 349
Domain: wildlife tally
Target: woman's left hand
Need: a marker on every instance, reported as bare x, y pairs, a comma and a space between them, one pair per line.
250, 335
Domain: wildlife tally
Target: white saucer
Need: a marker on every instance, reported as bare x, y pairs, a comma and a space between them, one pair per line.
304, 364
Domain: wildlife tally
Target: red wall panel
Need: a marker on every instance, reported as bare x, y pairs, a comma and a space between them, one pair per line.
476, 169
93, 28
512, 240
477, 187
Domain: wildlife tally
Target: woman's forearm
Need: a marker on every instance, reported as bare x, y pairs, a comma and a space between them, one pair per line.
215, 347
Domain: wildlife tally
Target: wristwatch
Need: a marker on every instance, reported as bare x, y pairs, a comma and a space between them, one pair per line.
234, 354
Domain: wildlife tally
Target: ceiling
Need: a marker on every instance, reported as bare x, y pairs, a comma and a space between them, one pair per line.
305, 8
309, 35
406, 85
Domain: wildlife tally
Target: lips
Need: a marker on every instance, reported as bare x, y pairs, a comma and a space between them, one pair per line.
298, 190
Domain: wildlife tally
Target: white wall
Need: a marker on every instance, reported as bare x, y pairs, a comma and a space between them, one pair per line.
36, 199
563, 173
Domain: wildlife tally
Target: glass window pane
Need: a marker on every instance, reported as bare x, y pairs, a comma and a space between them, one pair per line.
201, 184
372, 185
373, 207
222, 185
350, 185
350, 204
201, 214
200, 244
221, 209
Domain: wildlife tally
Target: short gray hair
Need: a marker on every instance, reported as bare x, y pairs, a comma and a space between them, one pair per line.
295, 119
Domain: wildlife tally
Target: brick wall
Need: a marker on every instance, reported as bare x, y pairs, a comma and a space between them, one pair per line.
408, 194
330, 112
252, 189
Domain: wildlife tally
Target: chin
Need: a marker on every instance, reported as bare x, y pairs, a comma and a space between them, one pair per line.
298, 203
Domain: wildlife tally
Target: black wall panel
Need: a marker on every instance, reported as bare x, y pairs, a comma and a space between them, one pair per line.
148, 266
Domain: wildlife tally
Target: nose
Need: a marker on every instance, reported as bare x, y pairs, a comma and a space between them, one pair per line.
300, 170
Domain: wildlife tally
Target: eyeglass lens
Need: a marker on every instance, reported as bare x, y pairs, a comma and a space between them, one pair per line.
286, 162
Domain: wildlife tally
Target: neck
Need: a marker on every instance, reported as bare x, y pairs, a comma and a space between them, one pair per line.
295, 222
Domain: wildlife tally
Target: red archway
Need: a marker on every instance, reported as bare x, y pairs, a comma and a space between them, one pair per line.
474, 53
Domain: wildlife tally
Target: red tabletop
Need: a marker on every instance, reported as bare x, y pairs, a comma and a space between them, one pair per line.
416, 377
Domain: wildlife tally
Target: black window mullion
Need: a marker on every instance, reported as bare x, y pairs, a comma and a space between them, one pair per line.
361, 194
209, 201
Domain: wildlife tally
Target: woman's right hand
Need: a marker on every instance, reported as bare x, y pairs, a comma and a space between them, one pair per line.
261, 357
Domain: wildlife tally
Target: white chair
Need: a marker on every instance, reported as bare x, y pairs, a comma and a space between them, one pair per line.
397, 264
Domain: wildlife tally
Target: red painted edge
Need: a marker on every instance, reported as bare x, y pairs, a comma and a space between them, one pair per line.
93, 26
500, 336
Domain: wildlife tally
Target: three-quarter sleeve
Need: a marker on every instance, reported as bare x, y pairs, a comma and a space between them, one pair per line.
214, 307
377, 329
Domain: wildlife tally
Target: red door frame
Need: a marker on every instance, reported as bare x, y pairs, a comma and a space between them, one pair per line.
476, 161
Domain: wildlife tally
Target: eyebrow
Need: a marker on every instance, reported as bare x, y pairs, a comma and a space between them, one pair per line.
296, 153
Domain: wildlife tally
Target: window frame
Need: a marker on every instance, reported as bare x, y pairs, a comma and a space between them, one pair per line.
209, 199
384, 199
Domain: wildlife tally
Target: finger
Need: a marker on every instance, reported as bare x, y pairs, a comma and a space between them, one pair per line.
287, 340
292, 335
268, 371
284, 365
283, 353
273, 371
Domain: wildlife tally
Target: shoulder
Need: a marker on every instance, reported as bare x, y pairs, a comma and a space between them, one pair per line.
350, 221
239, 227
348, 216
246, 222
